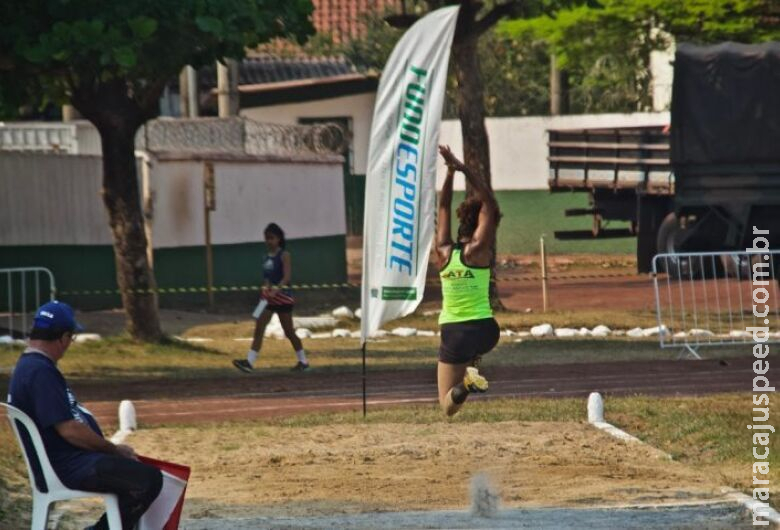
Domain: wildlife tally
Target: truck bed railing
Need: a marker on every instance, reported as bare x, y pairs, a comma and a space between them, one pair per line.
624, 158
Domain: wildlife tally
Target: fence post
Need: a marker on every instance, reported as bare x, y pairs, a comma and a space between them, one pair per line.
544, 274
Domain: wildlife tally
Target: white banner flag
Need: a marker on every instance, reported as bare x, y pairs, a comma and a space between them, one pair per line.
400, 202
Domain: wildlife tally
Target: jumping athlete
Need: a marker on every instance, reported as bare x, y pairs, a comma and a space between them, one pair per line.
275, 297
468, 329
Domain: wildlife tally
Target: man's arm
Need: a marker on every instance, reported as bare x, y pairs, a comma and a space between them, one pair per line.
81, 436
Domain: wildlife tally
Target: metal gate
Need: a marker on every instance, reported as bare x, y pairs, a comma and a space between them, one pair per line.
716, 299
25, 289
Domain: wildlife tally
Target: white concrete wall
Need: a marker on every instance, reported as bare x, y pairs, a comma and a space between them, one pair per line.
305, 199
359, 107
48, 199
518, 146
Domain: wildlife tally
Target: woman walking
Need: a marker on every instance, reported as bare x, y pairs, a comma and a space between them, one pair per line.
275, 297
468, 329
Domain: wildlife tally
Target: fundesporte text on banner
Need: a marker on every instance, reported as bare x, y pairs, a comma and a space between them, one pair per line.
400, 202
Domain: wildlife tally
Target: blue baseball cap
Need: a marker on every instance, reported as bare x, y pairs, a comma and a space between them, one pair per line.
56, 316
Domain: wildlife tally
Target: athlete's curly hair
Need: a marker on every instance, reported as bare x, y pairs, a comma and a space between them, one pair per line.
468, 215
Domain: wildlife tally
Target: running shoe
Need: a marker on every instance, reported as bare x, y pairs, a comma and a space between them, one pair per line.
300, 367
243, 365
473, 381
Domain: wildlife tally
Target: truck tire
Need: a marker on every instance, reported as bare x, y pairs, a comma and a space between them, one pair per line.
666, 243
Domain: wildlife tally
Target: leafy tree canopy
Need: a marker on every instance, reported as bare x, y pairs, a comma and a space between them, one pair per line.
575, 29
50, 47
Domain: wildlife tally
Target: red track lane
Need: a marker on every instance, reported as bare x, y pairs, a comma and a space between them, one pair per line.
245, 397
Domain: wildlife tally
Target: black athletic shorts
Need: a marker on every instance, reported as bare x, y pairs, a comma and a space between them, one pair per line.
280, 308
462, 342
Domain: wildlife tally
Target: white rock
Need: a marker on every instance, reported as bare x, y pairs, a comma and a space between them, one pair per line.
680, 335
508, 333
303, 333
523, 334
518, 340
432, 312
652, 332
600, 331
320, 322
739, 333
565, 332
619, 332
635, 332
584, 332
355, 334
426, 333
6, 339
404, 332
542, 330
86, 337
378, 334
274, 332
359, 313
696, 332
321, 335
341, 332
343, 312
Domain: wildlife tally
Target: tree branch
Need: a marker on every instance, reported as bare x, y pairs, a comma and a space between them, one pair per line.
497, 13
150, 102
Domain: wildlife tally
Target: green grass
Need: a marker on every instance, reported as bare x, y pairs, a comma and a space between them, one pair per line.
529, 214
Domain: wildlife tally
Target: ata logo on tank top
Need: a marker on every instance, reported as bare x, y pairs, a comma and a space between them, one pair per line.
457, 274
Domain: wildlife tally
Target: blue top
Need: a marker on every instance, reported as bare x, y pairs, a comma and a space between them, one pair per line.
273, 270
39, 389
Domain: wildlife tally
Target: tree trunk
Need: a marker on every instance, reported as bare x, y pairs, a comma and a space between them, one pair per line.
122, 199
111, 108
559, 89
471, 111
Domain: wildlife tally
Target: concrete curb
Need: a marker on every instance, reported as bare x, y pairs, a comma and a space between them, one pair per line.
596, 418
749, 504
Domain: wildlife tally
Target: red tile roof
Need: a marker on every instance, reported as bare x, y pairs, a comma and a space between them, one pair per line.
342, 18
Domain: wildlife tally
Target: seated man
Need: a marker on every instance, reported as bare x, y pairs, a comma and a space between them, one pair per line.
82, 458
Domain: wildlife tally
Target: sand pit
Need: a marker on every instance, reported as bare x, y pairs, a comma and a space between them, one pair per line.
245, 470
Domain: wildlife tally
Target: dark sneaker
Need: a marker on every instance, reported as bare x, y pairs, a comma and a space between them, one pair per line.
243, 365
300, 367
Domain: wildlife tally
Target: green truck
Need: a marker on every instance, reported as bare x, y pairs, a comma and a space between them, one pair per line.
698, 185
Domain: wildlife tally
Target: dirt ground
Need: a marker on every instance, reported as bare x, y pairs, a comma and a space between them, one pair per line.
242, 470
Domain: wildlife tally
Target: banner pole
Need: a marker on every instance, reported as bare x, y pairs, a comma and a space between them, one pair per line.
364, 381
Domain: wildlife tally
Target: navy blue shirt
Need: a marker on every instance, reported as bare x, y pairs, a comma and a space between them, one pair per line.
273, 270
39, 389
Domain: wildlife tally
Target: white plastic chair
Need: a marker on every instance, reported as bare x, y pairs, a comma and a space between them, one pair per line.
42, 501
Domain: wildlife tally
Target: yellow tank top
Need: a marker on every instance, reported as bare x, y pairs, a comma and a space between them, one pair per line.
464, 291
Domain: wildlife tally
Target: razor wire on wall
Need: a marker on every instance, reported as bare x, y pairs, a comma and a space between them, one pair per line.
708, 298
241, 136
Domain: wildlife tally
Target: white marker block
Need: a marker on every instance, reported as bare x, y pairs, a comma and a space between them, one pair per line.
127, 420
595, 408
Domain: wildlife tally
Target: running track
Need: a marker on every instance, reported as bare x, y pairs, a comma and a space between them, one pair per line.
242, 397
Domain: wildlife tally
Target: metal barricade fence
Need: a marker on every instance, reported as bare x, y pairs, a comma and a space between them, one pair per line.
708, 298
24, 290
